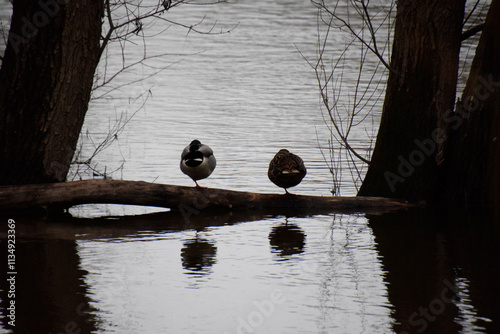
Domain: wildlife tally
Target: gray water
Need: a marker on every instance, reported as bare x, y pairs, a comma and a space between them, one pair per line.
247, 94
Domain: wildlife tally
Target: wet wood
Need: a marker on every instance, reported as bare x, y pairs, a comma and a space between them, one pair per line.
186, 199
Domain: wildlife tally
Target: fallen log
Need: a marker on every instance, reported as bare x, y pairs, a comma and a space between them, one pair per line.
187, 199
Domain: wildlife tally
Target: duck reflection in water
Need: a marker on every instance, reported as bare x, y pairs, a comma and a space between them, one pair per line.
198, 255
287, 239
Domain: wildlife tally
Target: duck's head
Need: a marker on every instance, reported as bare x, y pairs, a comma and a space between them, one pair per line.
195, 145
195, 142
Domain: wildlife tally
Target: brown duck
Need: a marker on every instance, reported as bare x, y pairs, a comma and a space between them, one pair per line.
286, 170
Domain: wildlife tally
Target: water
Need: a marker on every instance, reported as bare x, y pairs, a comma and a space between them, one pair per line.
247, 94
241, 273
245, 282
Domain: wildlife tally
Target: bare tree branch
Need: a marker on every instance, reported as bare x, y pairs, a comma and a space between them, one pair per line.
348, 97
125, 24
472, 31
365, 16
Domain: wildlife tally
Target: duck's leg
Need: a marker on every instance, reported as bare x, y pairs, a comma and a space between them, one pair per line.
198, 186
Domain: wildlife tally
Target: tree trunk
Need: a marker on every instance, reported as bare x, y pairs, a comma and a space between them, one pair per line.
472, 166
45, 84
189, 200
420, 89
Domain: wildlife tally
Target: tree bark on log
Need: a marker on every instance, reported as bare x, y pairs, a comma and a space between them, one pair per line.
188, 200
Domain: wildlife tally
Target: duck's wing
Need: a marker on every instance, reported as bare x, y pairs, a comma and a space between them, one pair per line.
206, 150
185, 152
296, 164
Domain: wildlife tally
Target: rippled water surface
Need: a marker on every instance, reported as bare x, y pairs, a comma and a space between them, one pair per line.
272, 276
247, 94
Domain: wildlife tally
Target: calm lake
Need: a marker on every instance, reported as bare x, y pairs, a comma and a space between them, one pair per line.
247, 89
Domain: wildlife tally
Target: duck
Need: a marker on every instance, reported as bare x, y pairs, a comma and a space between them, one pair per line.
197, 161
286, 170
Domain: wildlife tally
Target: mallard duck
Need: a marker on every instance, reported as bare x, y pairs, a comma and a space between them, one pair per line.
197, 161
286, 170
